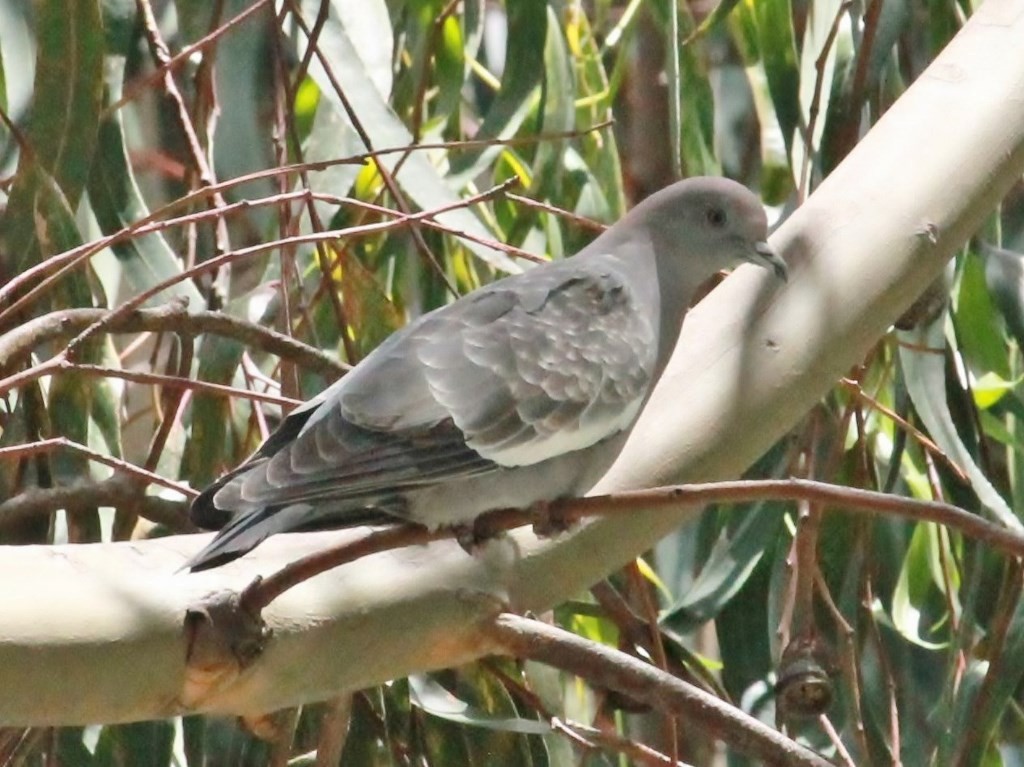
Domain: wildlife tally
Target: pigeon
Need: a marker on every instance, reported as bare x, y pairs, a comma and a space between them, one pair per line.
521, 392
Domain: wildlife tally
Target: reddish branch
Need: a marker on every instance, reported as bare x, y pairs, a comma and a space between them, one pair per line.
567, 512
605, 667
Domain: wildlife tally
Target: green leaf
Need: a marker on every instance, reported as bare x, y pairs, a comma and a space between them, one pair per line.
210, 740
601, 195
558, 114
496, 735
3, 86
712, 20
821, 53
926, 381
69, 401
39, 220
207, 449
1003, 681
952, 733
241, 144
141, 744
68, 91
432, 697
529, 21
1004, 277
120, 24
144, 260
105, 404
60, 135
977, 323
417, 176
369, 311
773, 20
990, 389
915, 586
744, 628
691, 104
450, 71
733, 558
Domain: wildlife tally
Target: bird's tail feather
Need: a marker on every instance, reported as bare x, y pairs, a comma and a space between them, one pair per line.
239, 536
246, 531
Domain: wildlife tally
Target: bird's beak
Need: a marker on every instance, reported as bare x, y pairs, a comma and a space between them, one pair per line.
768, 258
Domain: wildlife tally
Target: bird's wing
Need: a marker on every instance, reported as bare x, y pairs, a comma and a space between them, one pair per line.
517, 373
561, 366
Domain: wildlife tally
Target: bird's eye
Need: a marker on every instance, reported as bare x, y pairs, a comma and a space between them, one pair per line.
716, 217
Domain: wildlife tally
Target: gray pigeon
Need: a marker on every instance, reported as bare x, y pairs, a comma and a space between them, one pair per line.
522, 391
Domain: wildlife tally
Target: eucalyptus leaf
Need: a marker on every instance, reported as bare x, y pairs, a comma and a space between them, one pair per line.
925, 375
143, 260
735, 555
420, 179
433, 698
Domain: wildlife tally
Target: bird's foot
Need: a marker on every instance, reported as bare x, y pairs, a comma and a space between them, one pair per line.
548, 519
471, 536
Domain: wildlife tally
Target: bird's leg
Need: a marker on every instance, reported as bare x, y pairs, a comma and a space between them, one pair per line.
549, 519
467, 537
472, 535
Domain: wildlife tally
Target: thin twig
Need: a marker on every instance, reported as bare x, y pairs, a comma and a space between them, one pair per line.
156, 379
170, 318
919, 436
327, 259
357, 124
131, 305
650, 613
605, 667
836, 741
334, 723
143, 85
582, 221
262, 592
58, 265
586, 737
815, 106
1007, 609
46, 446
217, 261
433, 224
434, 38
114, 492
848, 129
848, 663
158, 47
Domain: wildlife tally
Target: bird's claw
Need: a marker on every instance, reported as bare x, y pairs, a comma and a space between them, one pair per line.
472, 535
549, 520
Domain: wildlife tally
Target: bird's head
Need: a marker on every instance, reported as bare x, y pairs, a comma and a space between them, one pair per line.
720, 222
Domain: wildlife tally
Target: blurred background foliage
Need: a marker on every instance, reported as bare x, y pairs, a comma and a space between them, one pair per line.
240, 166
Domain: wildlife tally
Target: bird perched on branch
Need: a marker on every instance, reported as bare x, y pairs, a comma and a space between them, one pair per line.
522, 391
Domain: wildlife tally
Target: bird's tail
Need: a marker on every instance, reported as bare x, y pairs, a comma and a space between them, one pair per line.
238, 537
245, 531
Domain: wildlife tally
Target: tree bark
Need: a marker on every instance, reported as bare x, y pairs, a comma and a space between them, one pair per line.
98, 633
